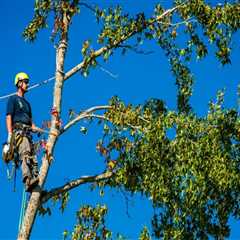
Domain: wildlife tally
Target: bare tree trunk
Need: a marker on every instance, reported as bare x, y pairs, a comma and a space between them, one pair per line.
32, 207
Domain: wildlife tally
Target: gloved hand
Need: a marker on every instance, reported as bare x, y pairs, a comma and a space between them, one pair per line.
5, 151
6, 148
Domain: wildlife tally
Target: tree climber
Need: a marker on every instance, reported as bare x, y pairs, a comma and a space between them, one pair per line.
19, 126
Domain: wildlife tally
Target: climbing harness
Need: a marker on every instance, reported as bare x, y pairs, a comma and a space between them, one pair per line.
10, 155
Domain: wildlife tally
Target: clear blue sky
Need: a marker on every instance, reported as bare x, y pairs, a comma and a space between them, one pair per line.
139, 78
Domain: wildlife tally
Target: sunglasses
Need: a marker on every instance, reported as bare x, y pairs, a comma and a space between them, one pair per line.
25, 81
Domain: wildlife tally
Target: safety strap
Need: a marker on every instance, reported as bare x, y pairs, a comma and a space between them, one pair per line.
18, 139
23, 208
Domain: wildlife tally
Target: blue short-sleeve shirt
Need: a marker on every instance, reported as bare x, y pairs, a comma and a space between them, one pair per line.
20, 110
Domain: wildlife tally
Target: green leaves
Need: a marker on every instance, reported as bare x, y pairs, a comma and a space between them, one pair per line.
144, 234
187, 166
83, 130
38, 22
218, 24
90, 224
42, 10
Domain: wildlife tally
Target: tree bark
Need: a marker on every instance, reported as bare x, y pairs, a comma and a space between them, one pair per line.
75, 183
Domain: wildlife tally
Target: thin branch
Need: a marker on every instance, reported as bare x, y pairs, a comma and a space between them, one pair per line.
106, 119
89, 114
126, 198
115, 44
73, 184
101, 117
78, 67
84, 114
179, 23
143, 119
88, 6
136, 50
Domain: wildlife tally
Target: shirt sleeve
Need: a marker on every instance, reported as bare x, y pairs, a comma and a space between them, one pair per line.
10, 106
30, 111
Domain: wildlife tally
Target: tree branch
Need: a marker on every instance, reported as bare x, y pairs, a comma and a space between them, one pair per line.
101, 117
73, 184
88, 6
179, 23
135, 49
102, 50
106, 119
84, 114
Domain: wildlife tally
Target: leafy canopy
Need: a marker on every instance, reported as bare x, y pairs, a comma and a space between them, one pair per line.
188, 166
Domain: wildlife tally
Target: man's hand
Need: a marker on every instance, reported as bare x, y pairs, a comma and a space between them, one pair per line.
6, 148
5, 152
35, 129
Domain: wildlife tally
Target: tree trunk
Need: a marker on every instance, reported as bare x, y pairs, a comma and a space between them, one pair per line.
32, 207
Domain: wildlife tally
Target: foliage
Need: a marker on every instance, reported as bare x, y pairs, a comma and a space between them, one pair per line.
217, 23
62, 199
145, 234
188, 166
42, 10
90, 224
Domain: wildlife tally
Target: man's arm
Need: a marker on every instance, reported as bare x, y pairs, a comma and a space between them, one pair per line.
9, 126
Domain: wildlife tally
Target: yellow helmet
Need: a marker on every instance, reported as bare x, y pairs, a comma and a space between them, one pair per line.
20, 76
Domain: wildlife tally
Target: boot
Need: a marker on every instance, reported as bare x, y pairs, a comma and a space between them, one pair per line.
30, 183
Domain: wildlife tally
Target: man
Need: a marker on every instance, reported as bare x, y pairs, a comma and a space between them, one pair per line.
19, 126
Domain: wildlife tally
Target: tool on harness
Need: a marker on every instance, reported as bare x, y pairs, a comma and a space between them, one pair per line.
8, 151
12, 173
10, 154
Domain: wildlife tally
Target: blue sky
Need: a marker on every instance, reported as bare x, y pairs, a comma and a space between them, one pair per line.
139, 77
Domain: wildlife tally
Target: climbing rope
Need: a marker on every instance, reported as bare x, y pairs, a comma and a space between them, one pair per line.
52, 78
30, 88
23, 208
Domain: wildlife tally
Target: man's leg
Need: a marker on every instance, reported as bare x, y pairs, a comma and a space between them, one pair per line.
24, 150
34, 166
24, 155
